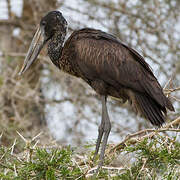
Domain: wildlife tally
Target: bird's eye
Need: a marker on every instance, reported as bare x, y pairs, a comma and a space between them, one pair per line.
43, 23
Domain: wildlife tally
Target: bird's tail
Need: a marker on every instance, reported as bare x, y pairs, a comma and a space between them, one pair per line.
150, 109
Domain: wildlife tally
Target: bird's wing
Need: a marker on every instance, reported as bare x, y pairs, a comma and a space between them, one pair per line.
101, 56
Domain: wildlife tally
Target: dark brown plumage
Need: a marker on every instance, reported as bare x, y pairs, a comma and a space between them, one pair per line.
110, 67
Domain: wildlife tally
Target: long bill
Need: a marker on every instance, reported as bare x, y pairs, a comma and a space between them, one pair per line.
34, 49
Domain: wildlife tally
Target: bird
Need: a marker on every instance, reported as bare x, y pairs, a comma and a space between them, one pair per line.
108, 65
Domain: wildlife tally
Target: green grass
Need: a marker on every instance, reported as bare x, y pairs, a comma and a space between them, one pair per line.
39, 163
157, 158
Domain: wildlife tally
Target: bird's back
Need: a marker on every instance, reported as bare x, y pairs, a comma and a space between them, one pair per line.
112, 68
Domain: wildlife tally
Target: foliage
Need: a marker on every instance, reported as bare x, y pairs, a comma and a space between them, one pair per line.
157, 158
43, 164
150, 27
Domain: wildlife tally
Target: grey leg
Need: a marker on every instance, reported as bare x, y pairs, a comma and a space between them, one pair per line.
104, 129
100, 132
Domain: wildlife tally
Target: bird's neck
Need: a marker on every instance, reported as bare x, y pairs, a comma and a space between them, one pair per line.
55, 47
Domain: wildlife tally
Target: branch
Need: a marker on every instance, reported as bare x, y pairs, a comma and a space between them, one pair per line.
8, 22
132, 140
49, 101
18, 54
170, 80
175, 122
168, 91
16, 23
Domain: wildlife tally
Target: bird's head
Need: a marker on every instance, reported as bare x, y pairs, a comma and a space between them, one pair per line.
50, 24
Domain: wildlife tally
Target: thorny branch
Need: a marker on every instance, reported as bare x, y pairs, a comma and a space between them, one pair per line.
131, 138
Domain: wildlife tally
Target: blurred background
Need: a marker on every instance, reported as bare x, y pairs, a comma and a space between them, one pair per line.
63, 107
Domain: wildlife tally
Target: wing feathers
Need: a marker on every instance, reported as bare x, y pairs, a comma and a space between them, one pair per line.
102, 56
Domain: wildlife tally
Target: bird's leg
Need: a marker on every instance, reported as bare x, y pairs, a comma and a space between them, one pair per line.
107, 129
104, 129
100, 131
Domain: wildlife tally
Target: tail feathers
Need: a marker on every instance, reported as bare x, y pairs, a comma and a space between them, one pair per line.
156, 92
150, 109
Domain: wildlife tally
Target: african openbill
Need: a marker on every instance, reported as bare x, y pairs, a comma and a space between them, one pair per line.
110, 67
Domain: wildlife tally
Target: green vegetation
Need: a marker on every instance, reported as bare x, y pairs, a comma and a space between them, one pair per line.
40, 163
152, 158
156, 159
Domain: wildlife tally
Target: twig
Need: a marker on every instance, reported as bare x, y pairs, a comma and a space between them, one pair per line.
175, 122
36, 136
132, 140
15, 171
15, 54
11, 22
170, 80
144, 163
12, 148
175, 98
1, 136
167, 91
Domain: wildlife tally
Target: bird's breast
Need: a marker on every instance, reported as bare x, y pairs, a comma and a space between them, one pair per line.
66, 65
